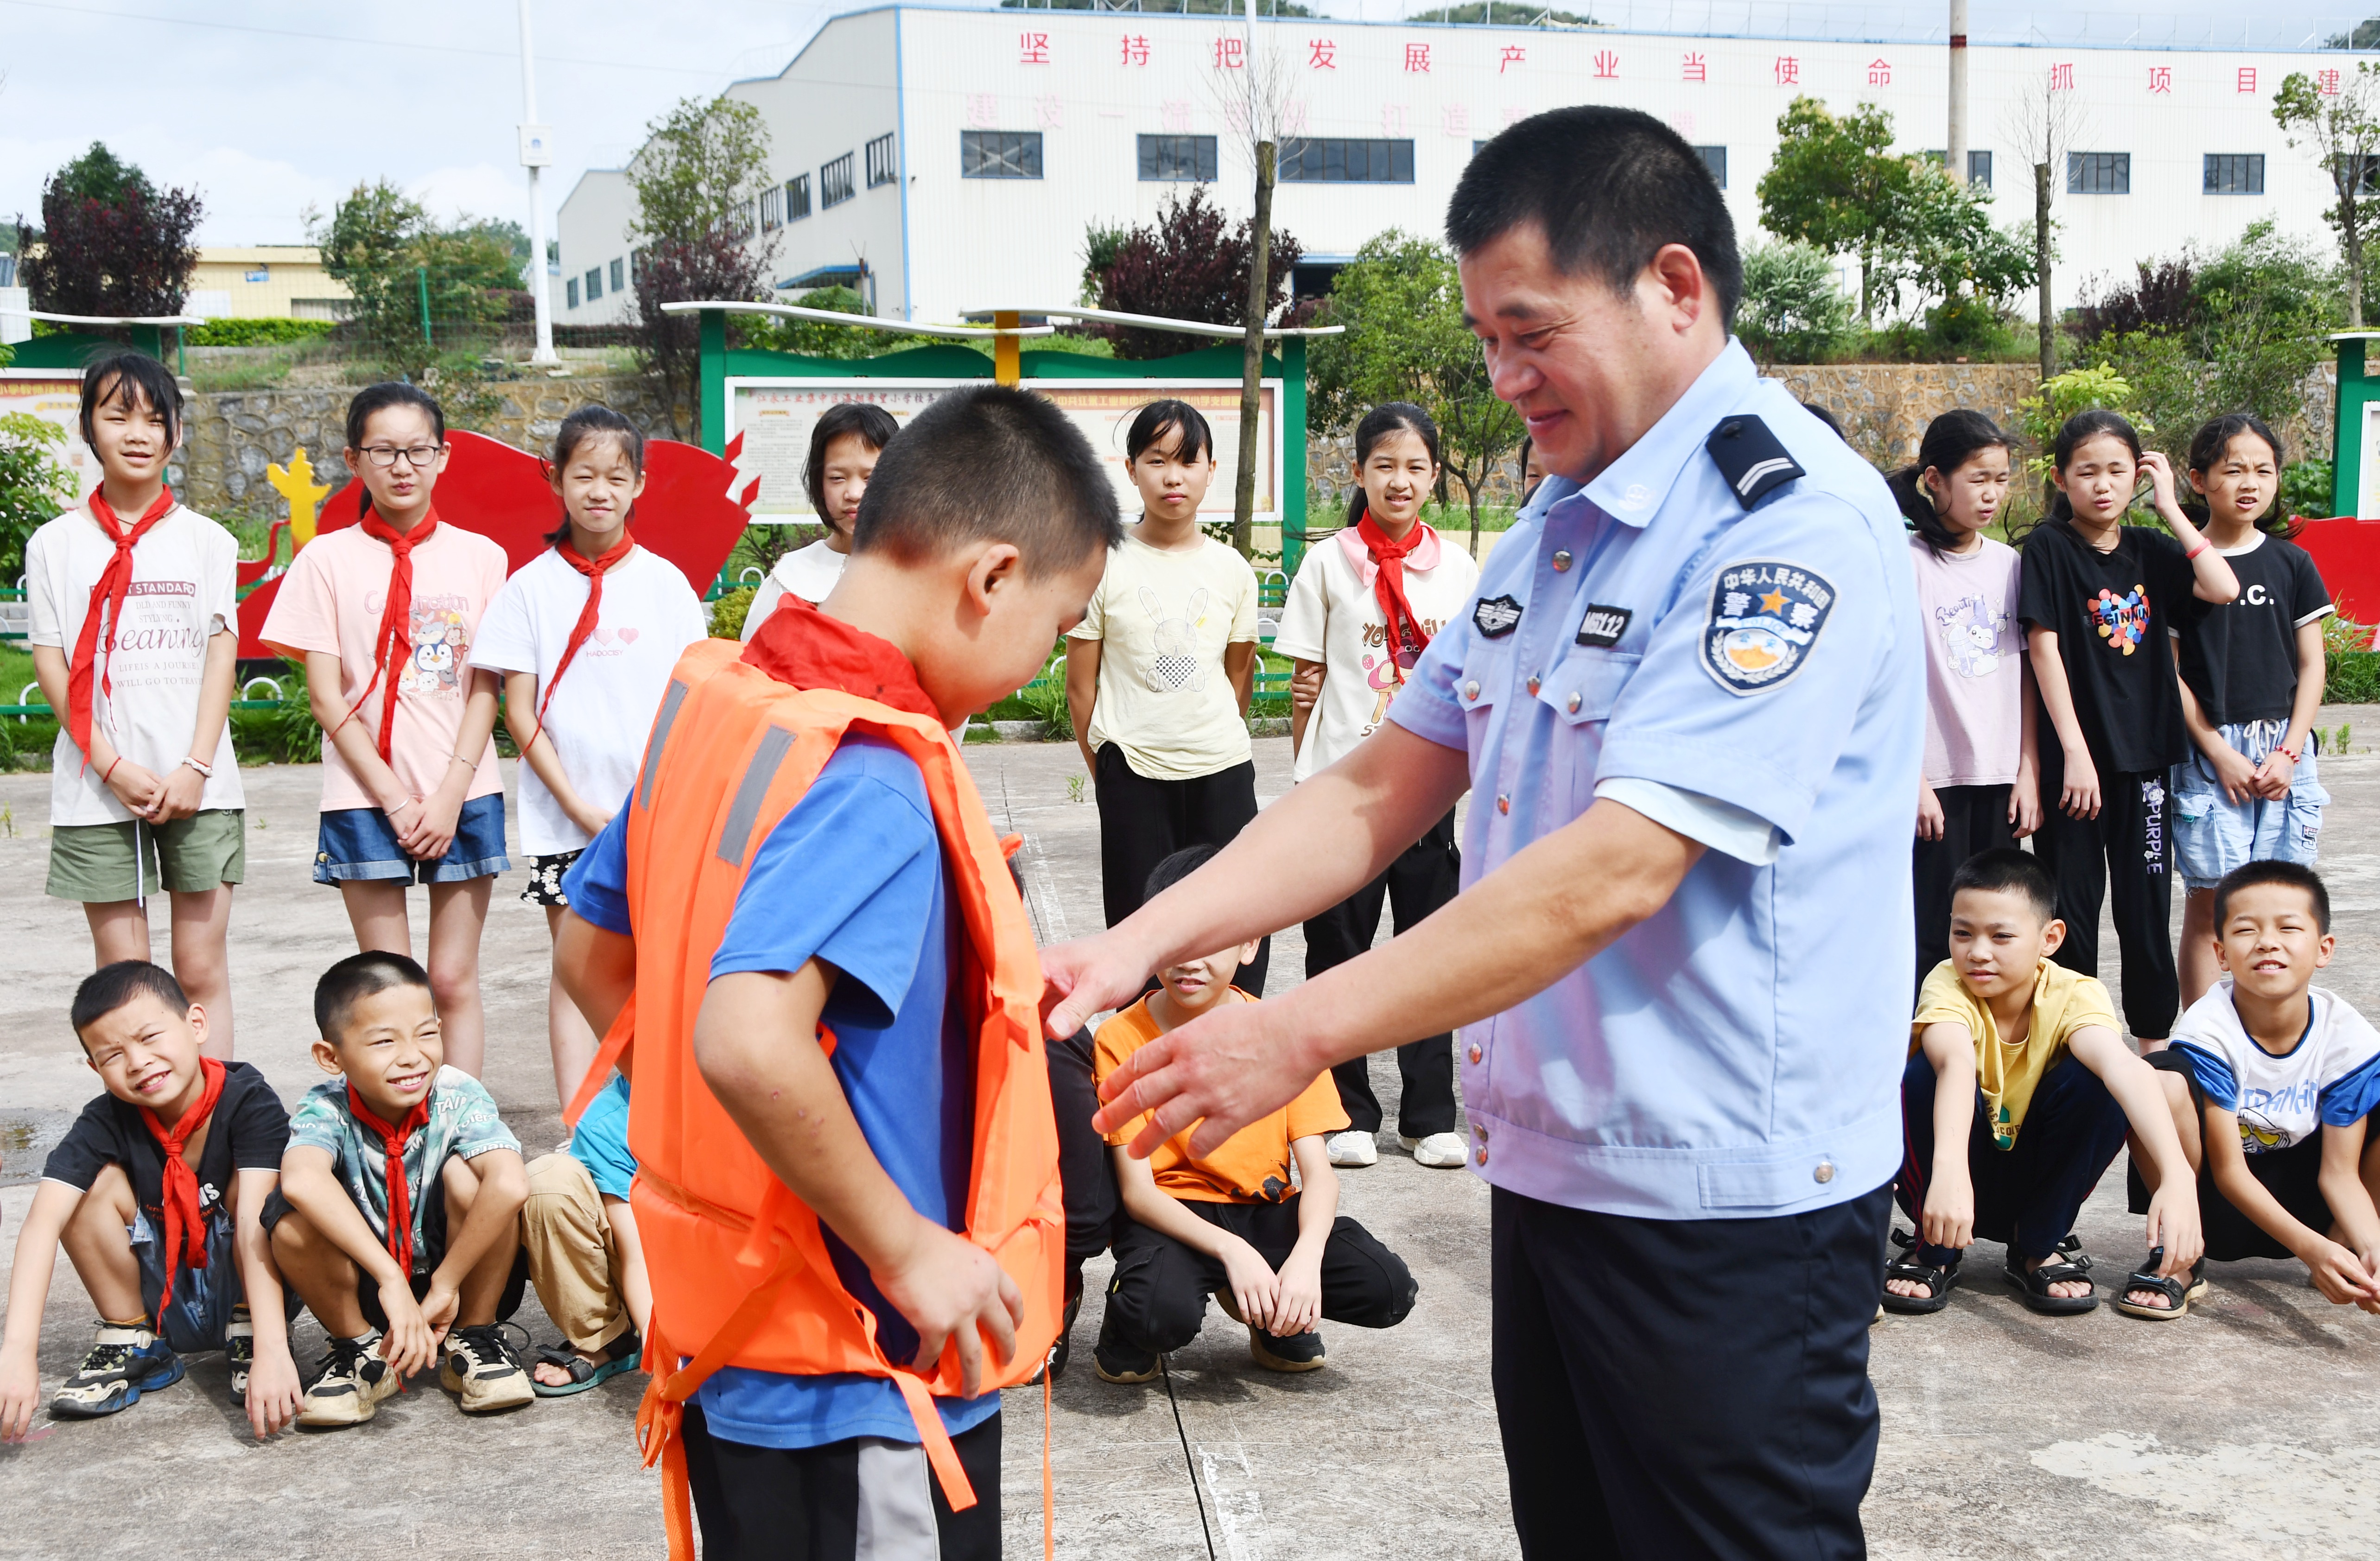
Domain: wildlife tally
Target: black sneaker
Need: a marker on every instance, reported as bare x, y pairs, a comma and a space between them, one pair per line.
125, 1361
239, 1351
348, 1385
1298, 1352
1117, 1361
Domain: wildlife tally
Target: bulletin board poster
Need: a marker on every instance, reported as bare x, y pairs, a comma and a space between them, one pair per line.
54, 396
775, 416
2367, 502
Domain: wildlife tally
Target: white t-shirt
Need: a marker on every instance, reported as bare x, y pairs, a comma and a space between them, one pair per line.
604, 710
1334, 617
185, 591
2332, 1076
1163, 620
809, 573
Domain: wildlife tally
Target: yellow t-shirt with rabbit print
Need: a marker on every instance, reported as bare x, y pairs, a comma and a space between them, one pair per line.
1163, 620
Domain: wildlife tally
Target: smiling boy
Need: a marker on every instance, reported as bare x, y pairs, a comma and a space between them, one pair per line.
2016, 1096
397, 1218
154, 1192
2272, 1083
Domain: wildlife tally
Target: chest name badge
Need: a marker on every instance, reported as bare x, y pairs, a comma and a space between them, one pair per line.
1496, 616
1603, 625
1764, 618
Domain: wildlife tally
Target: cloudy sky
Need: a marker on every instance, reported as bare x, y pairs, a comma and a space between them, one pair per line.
271, 106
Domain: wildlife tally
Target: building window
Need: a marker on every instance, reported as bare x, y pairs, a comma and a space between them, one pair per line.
570, 292
1979, 166
1177, 157
1334, 159
2098, 173
2235, 172
834, 182
594, 283
879, 161
1715, 159
619, 276
797, 197
999, 154
773, 210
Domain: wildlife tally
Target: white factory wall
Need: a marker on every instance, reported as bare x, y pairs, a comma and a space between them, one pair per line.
593, 231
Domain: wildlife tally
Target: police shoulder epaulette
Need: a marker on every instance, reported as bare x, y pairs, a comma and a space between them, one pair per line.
1750, 458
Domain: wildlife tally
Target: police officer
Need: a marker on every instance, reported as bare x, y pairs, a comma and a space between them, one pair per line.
1689, 704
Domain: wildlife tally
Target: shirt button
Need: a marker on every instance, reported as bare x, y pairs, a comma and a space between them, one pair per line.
1504, 805
1475, 1051
1532, 683
1482, 1155
1824, 1173
1561, 560
1571, 704
1471, 689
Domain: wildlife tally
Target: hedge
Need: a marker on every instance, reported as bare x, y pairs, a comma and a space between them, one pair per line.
255, 333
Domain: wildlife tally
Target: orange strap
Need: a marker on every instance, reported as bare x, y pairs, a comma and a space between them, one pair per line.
1048, 1482
607, 1056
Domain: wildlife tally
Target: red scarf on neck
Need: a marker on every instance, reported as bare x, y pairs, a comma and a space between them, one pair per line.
185, 1227
1405, 633
594, 569
393, 1142
801, 645
395, 643
114, 582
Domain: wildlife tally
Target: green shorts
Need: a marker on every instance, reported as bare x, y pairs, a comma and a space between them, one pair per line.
97, 863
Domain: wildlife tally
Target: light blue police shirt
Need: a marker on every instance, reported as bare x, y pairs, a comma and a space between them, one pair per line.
1755, 680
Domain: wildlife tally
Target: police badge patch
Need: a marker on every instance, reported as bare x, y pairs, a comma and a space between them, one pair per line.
1765, 617
1496, 616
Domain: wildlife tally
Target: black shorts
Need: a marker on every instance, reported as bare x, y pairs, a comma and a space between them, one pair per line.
544, 885
2291, 1176
426, 1259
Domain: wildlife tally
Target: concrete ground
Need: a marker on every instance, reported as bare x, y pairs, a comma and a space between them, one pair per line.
2005, 1434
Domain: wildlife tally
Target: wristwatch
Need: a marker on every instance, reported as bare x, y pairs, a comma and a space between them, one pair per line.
206, 770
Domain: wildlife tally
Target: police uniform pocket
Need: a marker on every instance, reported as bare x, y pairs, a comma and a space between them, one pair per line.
1587, 684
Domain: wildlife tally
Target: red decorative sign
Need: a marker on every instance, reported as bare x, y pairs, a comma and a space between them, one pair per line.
2061, 77
1322, 54
1135, 49
1514, 55
1607, 65
1789, 70
1696, 68
1418, 58
1231, 54
2161, 78
2247, 79
1033, 48
1879, 73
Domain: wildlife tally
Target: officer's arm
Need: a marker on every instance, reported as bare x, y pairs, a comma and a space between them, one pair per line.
598, 972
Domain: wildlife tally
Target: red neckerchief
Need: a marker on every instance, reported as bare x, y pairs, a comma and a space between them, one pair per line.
393, 1142
1390, 586
803, 646
594, 569
395, 615
114, 582
185, 1228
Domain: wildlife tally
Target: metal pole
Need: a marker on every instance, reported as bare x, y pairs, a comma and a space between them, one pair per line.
540, 289
1957, 154
422, 280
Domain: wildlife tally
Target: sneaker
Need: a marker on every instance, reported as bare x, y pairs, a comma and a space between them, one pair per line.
239, 1351
1439, 1151
349, 1384
481, 1369
126, 1360
1117, 1361
1298, 1352
1053, 1365
1354, 1147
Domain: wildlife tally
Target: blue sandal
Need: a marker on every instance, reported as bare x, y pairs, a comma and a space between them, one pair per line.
623, 1353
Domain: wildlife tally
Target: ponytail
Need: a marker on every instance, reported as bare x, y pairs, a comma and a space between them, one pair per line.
1951, 441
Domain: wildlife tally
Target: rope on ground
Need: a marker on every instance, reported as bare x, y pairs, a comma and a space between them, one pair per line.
1187, 1461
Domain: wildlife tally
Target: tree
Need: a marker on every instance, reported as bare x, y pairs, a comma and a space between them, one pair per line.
34, 484
2344, 129
399, 265
697, 181
111, 243
815, 337
1939, 242
1831, 181
1402, 304
1791, 311
1189, 264
2042, 124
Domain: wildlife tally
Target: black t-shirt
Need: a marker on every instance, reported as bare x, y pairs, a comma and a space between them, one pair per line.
2112, 614
2241, 657
249, 1132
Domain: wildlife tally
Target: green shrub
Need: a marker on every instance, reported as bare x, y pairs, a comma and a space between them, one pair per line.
1793, 312
2352, 677
2305, 488
728, 612
255, 333
34, 487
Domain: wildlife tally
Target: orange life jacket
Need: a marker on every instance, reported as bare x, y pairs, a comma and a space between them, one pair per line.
738, 1265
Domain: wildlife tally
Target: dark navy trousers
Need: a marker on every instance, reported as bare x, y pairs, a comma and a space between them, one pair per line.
2027, 1195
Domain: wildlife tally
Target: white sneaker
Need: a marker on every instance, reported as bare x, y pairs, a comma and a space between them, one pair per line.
1354, 1147
1439, 1151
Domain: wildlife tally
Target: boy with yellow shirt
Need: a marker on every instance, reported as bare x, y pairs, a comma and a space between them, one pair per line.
2018, 1095
1279, 1256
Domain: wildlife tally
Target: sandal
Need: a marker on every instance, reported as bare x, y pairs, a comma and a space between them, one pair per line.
1937, 1280
623, 1353
2178, 1291
2069, 1264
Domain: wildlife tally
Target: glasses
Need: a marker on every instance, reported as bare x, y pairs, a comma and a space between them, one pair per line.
386, 455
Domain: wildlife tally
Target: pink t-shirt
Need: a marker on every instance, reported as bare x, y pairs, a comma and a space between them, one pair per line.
1975, 664
330, 600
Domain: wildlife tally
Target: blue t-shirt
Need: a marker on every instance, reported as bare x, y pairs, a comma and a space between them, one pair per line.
852, 877
600, 1142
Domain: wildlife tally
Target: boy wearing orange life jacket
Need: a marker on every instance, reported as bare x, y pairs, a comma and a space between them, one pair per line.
155, 1193
800, 932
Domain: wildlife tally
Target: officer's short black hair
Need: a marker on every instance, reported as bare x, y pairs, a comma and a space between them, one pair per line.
2288, 875
1609, 186
1176, 867
2008, 871
112, 985
358, 976
989, 464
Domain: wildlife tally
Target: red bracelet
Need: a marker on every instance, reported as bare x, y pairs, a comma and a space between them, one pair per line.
2203, 545
110, 770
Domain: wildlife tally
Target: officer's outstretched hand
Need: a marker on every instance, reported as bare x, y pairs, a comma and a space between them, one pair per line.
1222, 1071
1086, 977
952, 1292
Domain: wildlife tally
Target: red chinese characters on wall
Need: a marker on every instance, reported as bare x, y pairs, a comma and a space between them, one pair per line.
2061, 77
1135, 49
1033, 48
1418, 58
1321, 53
1695, 68
1607, 65
2161, 78
1455, 120
2247, 79
1879, 72
1231, 54
1787, 70
2327, 81
1516, 54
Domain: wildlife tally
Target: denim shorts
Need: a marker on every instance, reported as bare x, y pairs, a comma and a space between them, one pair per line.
356, 844
2212, 834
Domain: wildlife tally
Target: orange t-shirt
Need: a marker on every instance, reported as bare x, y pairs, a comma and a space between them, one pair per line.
1252, 1165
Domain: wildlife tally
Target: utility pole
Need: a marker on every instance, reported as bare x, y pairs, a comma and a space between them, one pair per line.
536, 154
1957, 154
1261, 132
